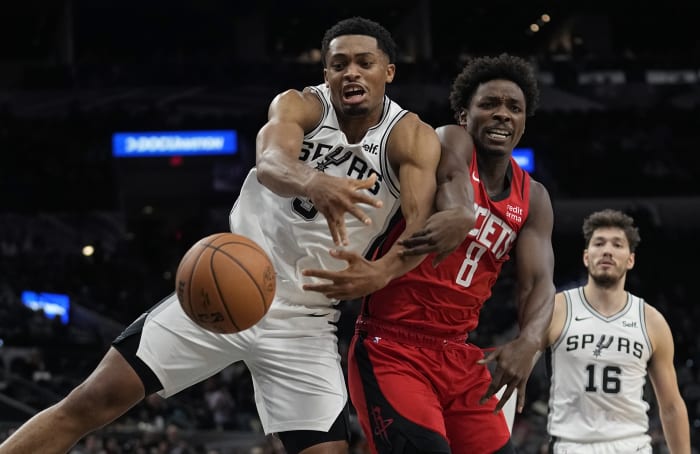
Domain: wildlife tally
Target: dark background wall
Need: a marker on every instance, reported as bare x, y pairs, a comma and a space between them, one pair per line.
617, 127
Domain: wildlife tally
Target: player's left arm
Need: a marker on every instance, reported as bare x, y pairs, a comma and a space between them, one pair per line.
534, 262
446, 229
662, 374
414, 153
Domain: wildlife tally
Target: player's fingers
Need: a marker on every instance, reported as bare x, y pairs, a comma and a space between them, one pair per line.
335, 233
497, 383
366, 183
319, 273
521, 397
331, 290
342, 232
504, 398
360, 196
439, 259
363, 198
344, 254
417, 239
312, 288
333, 230
488, 358
418, 250
490, 391
327, 292
359, 214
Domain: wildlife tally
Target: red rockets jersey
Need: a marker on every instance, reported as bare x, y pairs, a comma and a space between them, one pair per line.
448, 299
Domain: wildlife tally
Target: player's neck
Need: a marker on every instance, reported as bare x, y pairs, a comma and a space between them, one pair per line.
355, 127
606, 300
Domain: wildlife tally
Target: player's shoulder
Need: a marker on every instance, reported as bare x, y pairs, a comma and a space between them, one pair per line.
556, 325
410, 128
412, 120
413, 140
560, 297
301, 106
560, 301
540, 201
538, 187
453, 134
654, 317
451, 130
657, 328
292, 97
457, 146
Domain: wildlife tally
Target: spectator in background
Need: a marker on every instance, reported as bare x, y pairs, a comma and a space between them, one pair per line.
220, 404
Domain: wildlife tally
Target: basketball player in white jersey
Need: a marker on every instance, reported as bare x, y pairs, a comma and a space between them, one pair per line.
336, 163
603, 342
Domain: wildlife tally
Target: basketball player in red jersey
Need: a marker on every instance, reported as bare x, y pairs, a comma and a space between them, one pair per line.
417, 386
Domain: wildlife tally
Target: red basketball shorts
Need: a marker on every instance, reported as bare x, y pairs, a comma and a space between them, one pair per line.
412, 388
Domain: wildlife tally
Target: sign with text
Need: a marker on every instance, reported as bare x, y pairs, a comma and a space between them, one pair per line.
173, 143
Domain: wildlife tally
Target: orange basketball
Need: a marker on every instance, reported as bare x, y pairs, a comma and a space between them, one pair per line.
225, 283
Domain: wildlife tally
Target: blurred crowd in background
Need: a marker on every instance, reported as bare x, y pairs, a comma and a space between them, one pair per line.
618, 128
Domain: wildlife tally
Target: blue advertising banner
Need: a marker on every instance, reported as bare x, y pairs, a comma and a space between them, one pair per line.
52, 304
525, 157
173, 143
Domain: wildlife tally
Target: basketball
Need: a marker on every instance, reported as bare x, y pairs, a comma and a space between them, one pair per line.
225, 283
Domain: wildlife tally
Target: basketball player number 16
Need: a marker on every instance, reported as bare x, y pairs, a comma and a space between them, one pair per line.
471, 261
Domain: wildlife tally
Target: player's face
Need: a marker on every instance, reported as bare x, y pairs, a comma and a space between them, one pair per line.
608, 256
357, 72
496, 116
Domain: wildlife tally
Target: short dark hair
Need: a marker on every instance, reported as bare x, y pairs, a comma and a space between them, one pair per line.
484, 69
611, 218
360, 26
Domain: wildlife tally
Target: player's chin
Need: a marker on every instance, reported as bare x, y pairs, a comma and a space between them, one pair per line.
355, 110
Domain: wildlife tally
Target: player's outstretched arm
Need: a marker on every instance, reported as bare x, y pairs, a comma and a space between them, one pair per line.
662, 374
280, 140
414, 151
534, 261
446, 229
278, 145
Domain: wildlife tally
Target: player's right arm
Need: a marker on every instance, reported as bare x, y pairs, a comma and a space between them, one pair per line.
278, 144
556, 326
662, 374
534, 266
414, 152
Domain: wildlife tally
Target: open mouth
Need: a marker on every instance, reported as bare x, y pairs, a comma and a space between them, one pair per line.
353, 93
497, 134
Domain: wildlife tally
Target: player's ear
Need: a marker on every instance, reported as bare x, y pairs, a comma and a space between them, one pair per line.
585, 257
325, 76
390, 72
462, 117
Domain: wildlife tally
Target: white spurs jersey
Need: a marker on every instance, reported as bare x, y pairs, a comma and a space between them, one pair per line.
292, 231
599, 369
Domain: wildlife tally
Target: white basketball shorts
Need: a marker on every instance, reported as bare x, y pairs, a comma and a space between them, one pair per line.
292, 355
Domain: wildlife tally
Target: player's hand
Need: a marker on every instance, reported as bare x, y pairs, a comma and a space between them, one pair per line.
360, 278
333, 197
442, 233
514, 363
